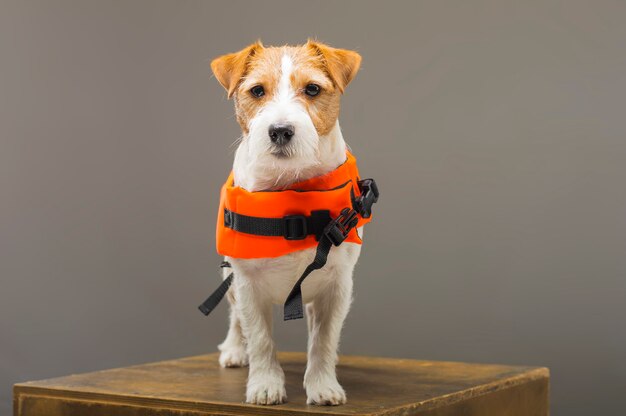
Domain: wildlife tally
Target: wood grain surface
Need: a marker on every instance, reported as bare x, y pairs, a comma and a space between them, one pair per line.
375, 386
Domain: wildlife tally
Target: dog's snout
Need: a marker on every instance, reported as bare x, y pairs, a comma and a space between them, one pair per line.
281, 133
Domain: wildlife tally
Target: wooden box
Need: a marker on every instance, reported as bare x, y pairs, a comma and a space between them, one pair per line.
197, 386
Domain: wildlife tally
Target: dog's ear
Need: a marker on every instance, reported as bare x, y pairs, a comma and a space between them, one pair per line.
342, 64
229, 69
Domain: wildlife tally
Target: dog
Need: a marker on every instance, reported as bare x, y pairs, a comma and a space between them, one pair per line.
287, 102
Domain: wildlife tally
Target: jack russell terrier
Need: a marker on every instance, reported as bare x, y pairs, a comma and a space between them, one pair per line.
287, 104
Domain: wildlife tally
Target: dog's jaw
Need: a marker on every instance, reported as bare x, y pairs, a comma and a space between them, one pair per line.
255, 173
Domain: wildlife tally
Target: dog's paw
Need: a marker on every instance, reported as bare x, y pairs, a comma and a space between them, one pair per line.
233, 356
325, 393
266, 390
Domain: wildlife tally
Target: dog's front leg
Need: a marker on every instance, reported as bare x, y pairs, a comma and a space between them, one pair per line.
266, 380
233, 349
325, 316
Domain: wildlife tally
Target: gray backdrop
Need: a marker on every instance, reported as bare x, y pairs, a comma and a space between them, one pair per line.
496, 131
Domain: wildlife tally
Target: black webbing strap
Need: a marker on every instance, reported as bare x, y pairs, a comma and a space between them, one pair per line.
290, 227
327, 231
334, 234
293, 308
212, 301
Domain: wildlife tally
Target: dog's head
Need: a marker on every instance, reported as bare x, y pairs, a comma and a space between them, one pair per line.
286, 98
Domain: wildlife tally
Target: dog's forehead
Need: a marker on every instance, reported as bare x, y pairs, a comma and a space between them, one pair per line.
270, 62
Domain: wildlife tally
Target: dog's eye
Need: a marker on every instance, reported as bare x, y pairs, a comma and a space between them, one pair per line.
312, 90
257, 91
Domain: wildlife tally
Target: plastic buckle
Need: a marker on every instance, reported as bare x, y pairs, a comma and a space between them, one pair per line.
228, 218
294, 227
369, 196
339, 228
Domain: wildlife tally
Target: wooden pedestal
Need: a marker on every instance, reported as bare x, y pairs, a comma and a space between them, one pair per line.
197, 386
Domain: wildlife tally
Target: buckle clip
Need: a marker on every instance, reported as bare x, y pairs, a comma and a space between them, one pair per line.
369, 196
294, 227
228, 218
339, 228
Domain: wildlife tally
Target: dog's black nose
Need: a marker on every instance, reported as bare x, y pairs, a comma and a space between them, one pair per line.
281, 133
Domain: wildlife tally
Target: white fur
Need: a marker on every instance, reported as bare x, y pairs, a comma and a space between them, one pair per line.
260, 283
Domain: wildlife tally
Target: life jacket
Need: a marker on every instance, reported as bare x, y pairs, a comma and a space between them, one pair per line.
319, 212
291, 218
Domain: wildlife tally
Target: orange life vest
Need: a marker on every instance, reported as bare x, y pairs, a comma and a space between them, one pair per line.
292, 209
320, 212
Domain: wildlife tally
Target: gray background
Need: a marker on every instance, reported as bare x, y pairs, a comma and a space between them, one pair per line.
496, 131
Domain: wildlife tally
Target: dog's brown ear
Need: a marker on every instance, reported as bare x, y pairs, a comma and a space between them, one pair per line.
342, 64
229, 69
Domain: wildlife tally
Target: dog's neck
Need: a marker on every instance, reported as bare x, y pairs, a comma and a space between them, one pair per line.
256, 174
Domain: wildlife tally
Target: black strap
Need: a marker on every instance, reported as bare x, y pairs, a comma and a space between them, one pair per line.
212, 301
291, 227
293, 308
327, 231
334, 234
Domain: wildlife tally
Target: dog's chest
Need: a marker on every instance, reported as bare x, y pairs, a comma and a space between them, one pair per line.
275, 277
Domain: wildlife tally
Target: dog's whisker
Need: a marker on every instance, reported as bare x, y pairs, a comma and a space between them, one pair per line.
236, 142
